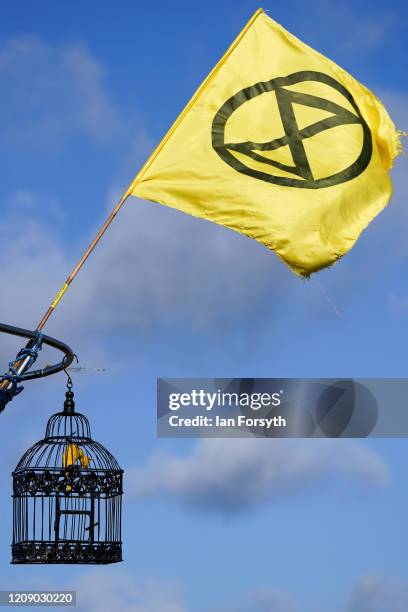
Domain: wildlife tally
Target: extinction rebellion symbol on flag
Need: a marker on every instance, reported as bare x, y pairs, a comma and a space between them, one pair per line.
253, 158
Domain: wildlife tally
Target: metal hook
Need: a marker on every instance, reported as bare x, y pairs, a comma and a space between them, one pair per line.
70, 384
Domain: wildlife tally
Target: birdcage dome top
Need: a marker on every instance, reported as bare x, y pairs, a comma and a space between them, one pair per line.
68, 442
68, 425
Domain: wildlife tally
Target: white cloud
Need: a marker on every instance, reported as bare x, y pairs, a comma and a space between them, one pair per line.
268, 600
108, 588
263, 600
158, 265
235, 475
350, 30
50, 94
371, 593
368, 33
111, 589
376, 593
154, 268
397, 304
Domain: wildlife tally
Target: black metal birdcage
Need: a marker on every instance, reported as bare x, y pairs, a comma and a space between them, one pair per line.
67, 496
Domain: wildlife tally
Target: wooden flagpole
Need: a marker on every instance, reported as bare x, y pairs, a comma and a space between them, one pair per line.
20, 366
81, 262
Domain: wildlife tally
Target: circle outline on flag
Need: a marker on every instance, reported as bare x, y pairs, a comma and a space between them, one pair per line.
293, 136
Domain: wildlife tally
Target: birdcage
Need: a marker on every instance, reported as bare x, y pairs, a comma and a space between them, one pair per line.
67, 496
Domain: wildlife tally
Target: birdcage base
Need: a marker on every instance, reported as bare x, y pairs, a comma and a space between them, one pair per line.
67, 552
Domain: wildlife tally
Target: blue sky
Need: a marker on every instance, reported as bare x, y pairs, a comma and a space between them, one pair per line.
88, 89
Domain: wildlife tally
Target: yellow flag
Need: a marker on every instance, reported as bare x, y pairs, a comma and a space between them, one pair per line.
281, 144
